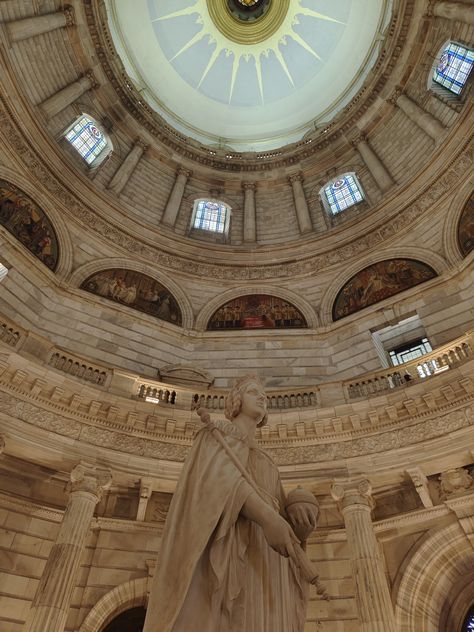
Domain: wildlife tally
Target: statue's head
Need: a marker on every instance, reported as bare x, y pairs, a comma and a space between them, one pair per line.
247, 391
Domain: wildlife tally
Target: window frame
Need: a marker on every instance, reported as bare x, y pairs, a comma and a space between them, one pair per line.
327, 204
104, 153
207, 232
442, 91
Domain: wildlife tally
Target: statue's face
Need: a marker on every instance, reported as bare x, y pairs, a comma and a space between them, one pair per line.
254, 401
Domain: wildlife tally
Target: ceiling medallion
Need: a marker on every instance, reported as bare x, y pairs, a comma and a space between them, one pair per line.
248, 21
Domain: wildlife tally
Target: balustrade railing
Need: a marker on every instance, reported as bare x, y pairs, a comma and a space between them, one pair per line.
79, 368
275, 401
439, 360
157, 395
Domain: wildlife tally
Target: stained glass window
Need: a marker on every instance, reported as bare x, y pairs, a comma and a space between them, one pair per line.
343, 193
454, 66
3, 271
469, 622
88, 140
211, 216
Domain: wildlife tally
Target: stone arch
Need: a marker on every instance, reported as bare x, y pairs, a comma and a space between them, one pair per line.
451, 222
428, 577
287, 295
117, 600
429, 258
32, 190
87, 270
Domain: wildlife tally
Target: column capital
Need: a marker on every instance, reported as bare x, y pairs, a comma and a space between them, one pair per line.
93, 81
69, 15
141, 144
86, 477
249, 186
350, 494
396, 94
361, 137
296, 177
430, 8
182, 171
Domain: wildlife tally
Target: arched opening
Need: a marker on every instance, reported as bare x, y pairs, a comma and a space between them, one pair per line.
131, 620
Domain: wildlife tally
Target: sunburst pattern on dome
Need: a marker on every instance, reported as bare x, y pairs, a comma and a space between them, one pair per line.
249, 85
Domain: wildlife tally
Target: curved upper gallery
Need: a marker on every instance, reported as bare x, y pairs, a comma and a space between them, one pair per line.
398, 135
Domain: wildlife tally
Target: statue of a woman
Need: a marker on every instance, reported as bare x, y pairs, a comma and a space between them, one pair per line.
228, 561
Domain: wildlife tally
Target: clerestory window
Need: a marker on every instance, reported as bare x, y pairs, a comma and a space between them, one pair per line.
89, 140
343, 192
211, 216
454, 67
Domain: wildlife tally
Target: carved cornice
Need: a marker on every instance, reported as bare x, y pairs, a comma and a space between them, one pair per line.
91, 220
162, 131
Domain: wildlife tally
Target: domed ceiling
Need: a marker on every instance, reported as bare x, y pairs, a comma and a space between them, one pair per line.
248, 74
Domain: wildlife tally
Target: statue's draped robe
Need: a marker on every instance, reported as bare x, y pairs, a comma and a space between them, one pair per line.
216, 572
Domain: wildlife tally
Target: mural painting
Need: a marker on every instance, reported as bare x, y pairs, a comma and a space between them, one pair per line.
379, 281
135, 290
24, 219
256, 311
466, 227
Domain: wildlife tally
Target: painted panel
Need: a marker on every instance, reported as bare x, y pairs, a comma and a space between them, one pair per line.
378, 282
466, 228
257, 311
135, 290
26, 221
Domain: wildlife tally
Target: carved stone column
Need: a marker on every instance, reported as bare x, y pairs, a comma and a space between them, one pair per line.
420, 117
461, 11
68, 95
176, 197
51, 603
250, 217
29, 27
123, 173
146, 490
372, 592
373, 163
301, 205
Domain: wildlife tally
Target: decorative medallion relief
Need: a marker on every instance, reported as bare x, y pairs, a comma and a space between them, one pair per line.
466, 227
135, 290
378, 282
257, 311
26, 221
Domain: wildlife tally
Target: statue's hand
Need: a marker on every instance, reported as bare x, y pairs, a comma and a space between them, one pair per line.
303, 517
280, 536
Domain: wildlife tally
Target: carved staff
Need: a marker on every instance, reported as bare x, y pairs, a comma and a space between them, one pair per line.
304, 563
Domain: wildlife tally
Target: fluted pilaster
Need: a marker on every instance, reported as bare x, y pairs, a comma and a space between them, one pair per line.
462, 11
174, 202
57, 102
374, 605
301, 205
424, 120
250, 216
30, 27
373, 163
50, 605
124, 172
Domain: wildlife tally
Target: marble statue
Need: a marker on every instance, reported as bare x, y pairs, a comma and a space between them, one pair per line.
231, 558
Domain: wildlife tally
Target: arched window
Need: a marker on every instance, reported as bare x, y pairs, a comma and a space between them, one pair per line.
3, 271
211, 215
341, 193
453, 67
131, 620
89, 140
469, 622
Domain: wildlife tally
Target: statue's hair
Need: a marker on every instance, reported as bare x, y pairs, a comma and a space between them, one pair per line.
233, 402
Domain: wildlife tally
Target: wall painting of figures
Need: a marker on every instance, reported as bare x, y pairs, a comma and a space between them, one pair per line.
466, 227
256, 311
26, 221
135, 290
379, 281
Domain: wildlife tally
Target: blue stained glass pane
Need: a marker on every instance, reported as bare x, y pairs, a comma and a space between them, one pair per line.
454, 67
210, 216
343, 193
87, 139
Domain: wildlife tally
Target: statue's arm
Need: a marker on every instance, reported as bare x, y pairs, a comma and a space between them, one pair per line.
276, 529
